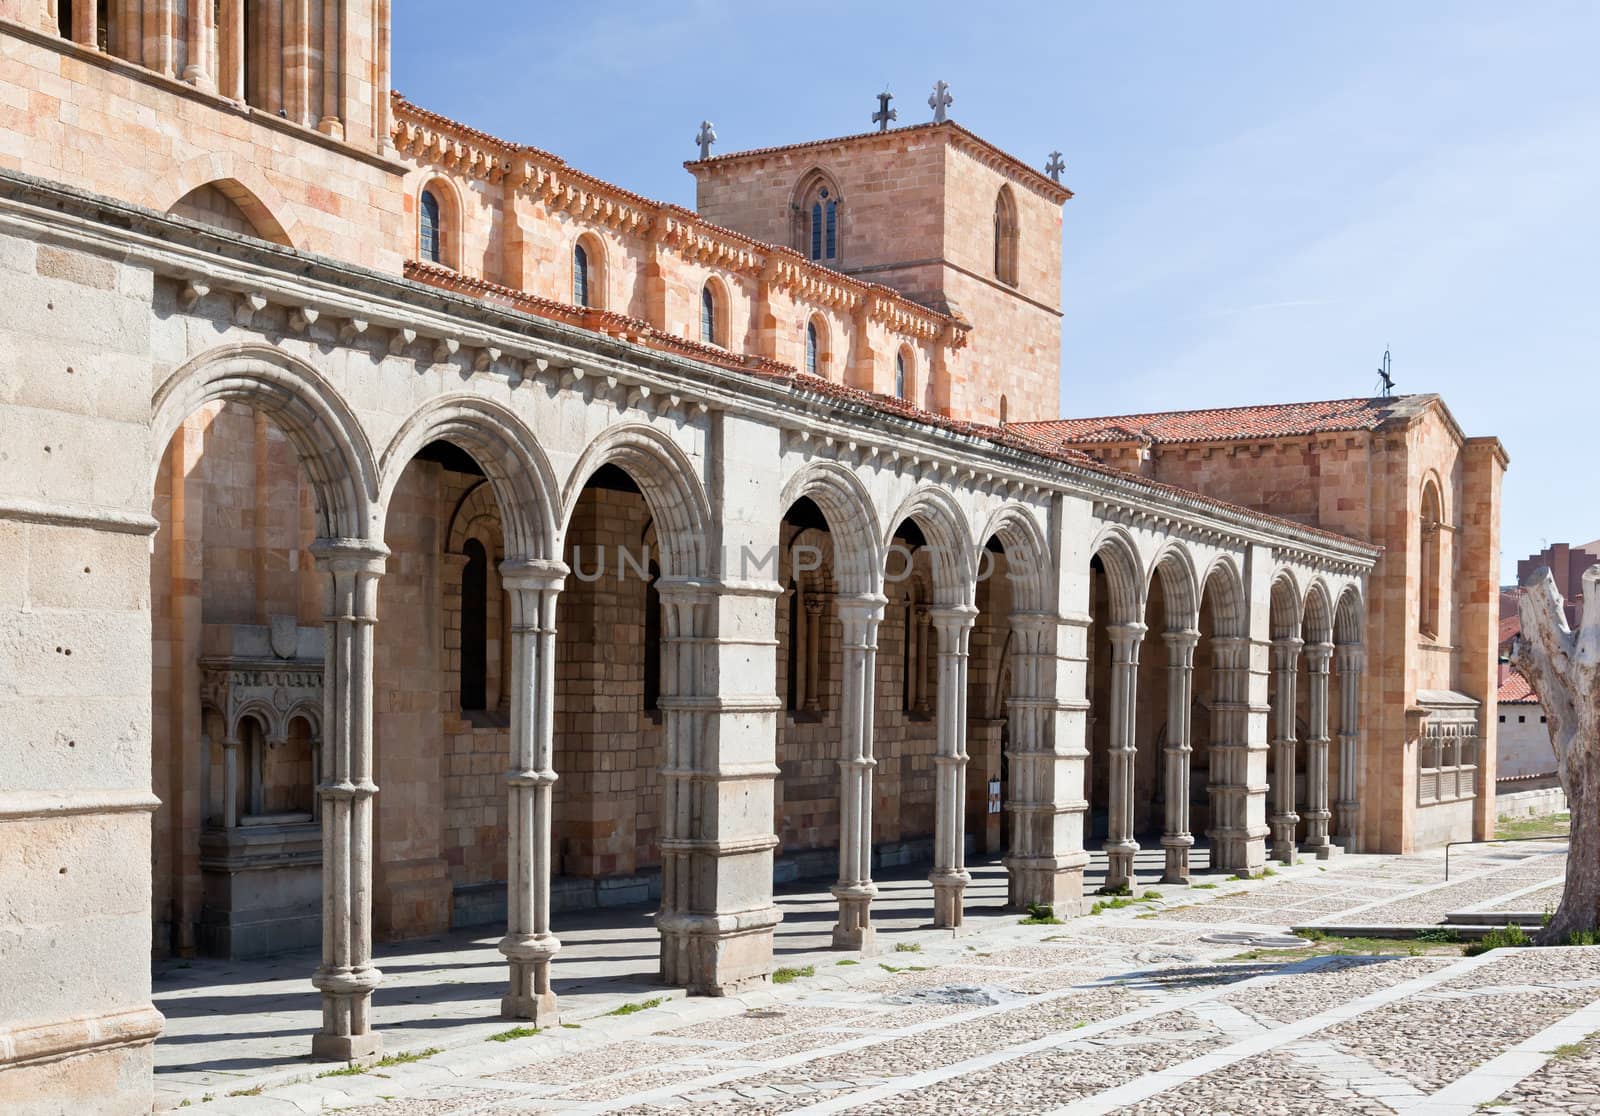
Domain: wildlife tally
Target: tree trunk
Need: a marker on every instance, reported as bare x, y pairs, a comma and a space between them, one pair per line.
1563, 667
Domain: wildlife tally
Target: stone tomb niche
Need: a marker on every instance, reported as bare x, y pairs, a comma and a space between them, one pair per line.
1447, 766
261, 835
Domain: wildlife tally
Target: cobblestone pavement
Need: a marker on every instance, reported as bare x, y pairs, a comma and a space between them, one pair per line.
1131, 1010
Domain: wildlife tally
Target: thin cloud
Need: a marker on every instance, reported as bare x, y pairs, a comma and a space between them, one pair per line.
1256, 308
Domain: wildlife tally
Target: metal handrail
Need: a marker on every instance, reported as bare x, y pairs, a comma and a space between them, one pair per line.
1567, 837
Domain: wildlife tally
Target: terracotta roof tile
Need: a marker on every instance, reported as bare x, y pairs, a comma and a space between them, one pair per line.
1516, 690
1276, 420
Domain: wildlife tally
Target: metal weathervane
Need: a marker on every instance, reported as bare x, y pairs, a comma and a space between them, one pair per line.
1385, 377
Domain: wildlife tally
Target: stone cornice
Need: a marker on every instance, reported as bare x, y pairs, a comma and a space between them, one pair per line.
503, 339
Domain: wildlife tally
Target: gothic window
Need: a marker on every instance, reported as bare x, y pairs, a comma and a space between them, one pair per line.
580, 275
474, 627
708, 315
428, 229
652, 641
1005, 237
817, 218
1431, 561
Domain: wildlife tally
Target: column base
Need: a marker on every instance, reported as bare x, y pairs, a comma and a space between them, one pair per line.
717, 955
948, 890
1283, 846
1119, 866
346, 1048
854, 928
1054, 882
1235, 850
539, 1008
1322, 852
1176, 871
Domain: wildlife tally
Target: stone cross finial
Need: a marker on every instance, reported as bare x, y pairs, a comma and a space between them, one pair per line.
1055, 166
940, 101
707, 137
884, 114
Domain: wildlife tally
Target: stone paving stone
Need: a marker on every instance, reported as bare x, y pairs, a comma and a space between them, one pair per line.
760, 1024
1546, 898
455, 1102
1542, 965
1265, 1085
1433, 1040
1567, 1083
1339, 981
785, 1045
1044, 956
1212, 913
603, 1061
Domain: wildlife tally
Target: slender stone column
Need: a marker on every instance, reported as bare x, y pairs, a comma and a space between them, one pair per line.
230, 781
1175, 837
1121, 847
919, 674
332, 37
85, 24
159, 40
297, 61
1318, 656
347, 977
1230, 754
533, 586
1350, 664
1285, 669
950, 876
813, 622
859, 617
1045, 862
199, 40
230, 49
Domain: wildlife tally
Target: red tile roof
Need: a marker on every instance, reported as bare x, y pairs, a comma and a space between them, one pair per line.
1276, 420
1510, 628
1516, 691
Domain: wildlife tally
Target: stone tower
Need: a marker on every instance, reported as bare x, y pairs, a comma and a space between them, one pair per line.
933, 212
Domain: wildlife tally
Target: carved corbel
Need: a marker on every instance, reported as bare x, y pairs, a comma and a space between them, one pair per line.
193, 291
446, 348
246, 309
302, 318
485, 359
400, 338
351, 329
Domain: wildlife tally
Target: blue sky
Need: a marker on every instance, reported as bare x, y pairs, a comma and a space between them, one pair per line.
1267, 193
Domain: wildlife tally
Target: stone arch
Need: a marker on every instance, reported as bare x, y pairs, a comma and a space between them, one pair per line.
852, 521
506, 451
716, 298
1432, 519
1174, 565
595, 256
1125, 577
333, 449
1287, 606
1318, 622
672, 491
242, 184
1029, 562
308, 712
1007, 237
1224, 587
943, 524
818, 347
1347, 616
476, 507
449, 231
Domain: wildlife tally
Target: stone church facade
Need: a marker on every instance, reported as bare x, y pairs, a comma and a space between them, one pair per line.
635, 553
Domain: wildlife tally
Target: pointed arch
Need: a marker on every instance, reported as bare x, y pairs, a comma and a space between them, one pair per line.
590, 269
332, 447
672, 491
1318, 617
1007, 236
1125, 576
1223, 589
1287, 606
1180, 586
817, 206
1029, 561
506, 451
1430, 550
942, 523
852, 521
1348, 616
445, 249
243, 184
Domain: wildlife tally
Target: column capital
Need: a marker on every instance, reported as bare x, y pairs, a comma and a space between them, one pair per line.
1033, 621
1318, 656
1286, 653
1350, 656
541, 574
360, 556
953, 616
860, 606
1182, 637
1126, 635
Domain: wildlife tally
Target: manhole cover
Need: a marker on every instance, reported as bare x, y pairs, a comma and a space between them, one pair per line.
1256, 941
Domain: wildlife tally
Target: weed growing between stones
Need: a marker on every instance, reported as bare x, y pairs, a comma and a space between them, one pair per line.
516, 1033
788, 975
1041, 914
1510, 937
634, 1009
908, 947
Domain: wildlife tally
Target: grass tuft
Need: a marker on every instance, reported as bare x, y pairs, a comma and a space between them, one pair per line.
908, 947
634, 1009
516, 1033
1203, 887
1041, 914
846, 961
1512, 936
789, 975
1439, 934
1122, 888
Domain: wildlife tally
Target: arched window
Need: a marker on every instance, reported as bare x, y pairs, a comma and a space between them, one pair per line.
708, 315
428, 232
902, 375
1432, 561
1003, 408
580, 275
474, 626
1006, 237
817, 208
811, 347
